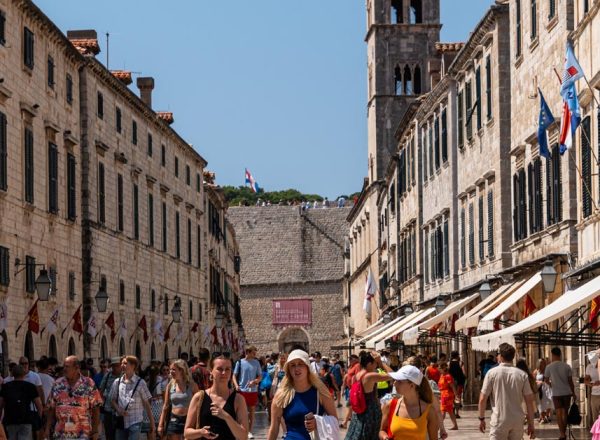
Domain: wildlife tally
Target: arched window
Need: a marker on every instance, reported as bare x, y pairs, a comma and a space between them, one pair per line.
121, 347
72, 349
417, 81
416, 11
28, 350
179, 352
52, 349
103, 348
398, 80
138, 350
396, 12
408, 83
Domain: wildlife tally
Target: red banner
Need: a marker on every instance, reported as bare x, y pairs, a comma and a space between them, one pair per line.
292, 312
34, 318
110, 323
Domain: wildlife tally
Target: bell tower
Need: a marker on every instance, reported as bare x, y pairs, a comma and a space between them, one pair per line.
401, 61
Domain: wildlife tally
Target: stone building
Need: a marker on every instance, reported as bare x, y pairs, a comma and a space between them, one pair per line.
292, 275
40, 175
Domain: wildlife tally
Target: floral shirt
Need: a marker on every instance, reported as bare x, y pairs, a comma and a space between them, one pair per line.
73, 407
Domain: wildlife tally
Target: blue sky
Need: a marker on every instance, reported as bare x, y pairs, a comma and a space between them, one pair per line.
273, 85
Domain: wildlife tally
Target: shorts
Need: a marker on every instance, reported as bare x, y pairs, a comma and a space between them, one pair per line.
561, 402
176, 424
251, 398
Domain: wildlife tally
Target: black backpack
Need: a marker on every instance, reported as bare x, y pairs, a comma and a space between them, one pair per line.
574, 416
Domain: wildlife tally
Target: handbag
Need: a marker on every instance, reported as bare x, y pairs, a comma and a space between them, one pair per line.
574, 416
119, 421
328, 427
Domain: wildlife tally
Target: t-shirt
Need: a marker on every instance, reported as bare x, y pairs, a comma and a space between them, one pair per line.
246, 371
201, 376
507, 385
18, 396
592, 371
559, 372
433, 373
33, 378
352, 371
47, 382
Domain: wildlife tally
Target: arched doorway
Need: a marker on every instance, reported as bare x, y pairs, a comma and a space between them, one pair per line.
166, 353
52, 348
290, 337
179, 352
28, 350
138, 351
103, 348
4, 353
152, 352
121, 347
72, 349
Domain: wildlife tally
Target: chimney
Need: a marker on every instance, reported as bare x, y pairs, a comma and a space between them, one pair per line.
146, 84
85, 41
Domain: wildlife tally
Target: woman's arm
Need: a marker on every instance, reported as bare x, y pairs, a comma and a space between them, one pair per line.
370, 379
435, 406
276, 415
239, 425
162, 421
432, 423
190, 431
328, 404
385, 417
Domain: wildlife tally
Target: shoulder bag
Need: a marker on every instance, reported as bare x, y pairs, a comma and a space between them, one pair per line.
118, 419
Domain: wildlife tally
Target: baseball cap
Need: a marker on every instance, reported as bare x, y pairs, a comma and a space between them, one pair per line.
408, 372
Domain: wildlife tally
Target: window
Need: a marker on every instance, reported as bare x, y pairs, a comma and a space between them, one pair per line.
149, 145
490, 203
463, 228
426, 256
2, 28
551, 9
398, 80
189, 241
519, 205
407, 80
163, 155
534, 171
469, 110
198, 246
436, 142
518, 27
430, 140
459, 113
166, 305
176, 166
164, 227
177, 241
396, 12
478, 96
28, 44
69, 88
29, 171
52, 275
136, 213
586, 168
4, 266
188, 177
100, 105
138, 297
444, 137
118, 120
120, 202
101, 194
446, 250
417, 80
72, 286
190, 310
50, 72
3, 153
471, 234
586, 6
152, 300
29, 274
121, 292
553, 187
199, 311
150, 219
71, 187
52, 178
415, 12
488, 86
134, 132
480, 228
533, 19
198, 182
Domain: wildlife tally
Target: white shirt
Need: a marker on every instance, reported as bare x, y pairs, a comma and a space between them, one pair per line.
47, 382
592, 371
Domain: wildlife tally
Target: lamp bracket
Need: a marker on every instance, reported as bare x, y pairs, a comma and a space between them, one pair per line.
23, 266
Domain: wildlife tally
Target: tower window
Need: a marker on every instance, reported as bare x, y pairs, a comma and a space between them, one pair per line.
408, 83
417, 81
396, 12
416, 12
398, 80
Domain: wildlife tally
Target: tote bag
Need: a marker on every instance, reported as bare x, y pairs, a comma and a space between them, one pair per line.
328, 427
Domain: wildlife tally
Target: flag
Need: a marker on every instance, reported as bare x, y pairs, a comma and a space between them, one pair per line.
3, 316
159, 331
545, 120
215, 335
453, 324
92, 327
594, 312
179, 334
194, 328
529, 307
144, 327
370, 290
34, 319
206, 334
168, 332
433, 330
123, 329
77, 323
571, 117
251, 182
110, 323
52, 325
572, 72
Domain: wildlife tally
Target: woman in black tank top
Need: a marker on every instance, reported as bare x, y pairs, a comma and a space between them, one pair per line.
217, 412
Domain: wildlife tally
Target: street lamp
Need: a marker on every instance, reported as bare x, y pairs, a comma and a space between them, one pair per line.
408, 309
229, 326
387, 317
549, 277
241, 332
176, 310
485, 290
440, 305
43, 285
219, 319
101, 299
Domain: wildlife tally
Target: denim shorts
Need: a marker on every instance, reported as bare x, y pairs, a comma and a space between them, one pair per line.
176, 424
130, 433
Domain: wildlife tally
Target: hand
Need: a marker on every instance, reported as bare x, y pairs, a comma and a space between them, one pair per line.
205, 432
531, 429
383, 435
443, 433
310, 424
482, 425
217, 411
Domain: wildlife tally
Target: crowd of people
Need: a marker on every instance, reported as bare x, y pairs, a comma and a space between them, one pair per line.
211, 396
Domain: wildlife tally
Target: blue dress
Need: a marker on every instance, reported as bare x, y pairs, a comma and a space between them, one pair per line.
293, 414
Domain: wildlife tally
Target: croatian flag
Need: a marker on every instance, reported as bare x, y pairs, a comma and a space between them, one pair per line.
571, 116
250, 181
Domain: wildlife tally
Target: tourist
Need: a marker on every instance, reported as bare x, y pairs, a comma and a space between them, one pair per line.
33, 378
486, 365
508, 386
301, 392
104, 365
412, 416
16, 398
200, 371
74, 405
106, 412
560, 377
592, 380
544, 393
337, 370
353, 369
367, 424
218, 412
447, 394
522, 365
456, 369
432, 372
178, 396
247, 375
130, 397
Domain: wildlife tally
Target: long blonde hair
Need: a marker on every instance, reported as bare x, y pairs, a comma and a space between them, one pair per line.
286, 391
182, 366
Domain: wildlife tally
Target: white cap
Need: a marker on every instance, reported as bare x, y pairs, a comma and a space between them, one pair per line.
408, 372
298, 354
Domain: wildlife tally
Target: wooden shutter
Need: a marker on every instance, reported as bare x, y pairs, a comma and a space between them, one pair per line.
164, 227
189, 240
537, 177
120, 202
471, 235
52, 178
490, 237
431, 155
522, 204
3, 153
530, 198
136, 213
469, 110
463, 226
150, 219
444, 137
177, 232
446, 250
71, 187
549, 193
29, 167
481, 238
459, 113
586, 168
557, 184
516, 231
426, 257
436, 143
101, 194
4, 267
488, 85
478, 96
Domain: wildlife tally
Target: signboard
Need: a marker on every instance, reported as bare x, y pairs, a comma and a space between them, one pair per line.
292, 312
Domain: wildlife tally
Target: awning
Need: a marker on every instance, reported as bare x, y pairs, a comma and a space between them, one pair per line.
472, 317
403, 324
411, 335
561, 307
487, 322
370, 329
378, 330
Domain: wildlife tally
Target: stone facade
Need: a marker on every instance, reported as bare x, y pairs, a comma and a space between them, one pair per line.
292, 276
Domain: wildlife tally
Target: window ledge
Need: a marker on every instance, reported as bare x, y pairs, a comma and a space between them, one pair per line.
5, 93
27, 70
518, 61
552, 23
490, 122
534, 44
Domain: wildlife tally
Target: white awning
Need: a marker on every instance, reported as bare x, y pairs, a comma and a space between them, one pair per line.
487, 322
561, 307
471, 318
399, 327
371, 328
378, 330
411, 336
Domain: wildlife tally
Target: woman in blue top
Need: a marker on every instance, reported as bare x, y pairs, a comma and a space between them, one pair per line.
300, 392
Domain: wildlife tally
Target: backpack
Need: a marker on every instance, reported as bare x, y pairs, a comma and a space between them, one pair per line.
358, 403
574, 416
265, 382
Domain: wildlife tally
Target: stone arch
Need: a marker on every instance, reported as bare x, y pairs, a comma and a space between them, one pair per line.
29, 349
52, 347
407, 80
291, 336
72, 350
398, 81
121, 347
415, 11
104, 348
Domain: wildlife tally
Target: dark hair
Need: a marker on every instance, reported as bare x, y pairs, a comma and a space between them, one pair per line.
353, 356
365, 358
18, 371
454, 355
443, 366
507, 352
325, 367
522, 365
222, 357
43, 364
433, 359
203, 355
556, 351
443, 355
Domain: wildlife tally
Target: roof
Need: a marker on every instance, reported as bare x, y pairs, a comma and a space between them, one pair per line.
449, 47
285, 245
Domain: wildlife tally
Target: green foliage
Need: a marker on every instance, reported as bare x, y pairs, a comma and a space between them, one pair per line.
244, 195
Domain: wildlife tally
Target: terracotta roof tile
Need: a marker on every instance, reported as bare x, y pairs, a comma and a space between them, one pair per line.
449, 47
86, 46
123, 75
166, 116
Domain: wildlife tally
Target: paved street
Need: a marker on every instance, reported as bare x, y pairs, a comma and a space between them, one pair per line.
468, 428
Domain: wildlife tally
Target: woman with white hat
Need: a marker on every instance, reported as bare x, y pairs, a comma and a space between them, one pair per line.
301, 392
410, 417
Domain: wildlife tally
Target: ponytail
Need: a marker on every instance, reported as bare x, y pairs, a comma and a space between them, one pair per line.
424, 391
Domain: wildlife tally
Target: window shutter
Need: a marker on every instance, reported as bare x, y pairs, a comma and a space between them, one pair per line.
426, 257
552, 9
557, 183
446, 250
52, 178
549, 193
516, 232
490, 237
3, 153
136, 213
120, 202
537, 173
488, 85
4, 267
2, 28
101, 194
481, 244
150, 219
522, 204
586, 168
189, 242
29, 167
433, 256
413, 251
468, 110
478, 96
71, 187
463, 226
471, 235
436, 143
164, 227
177, 241
530, 198
459, 113
444, 137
